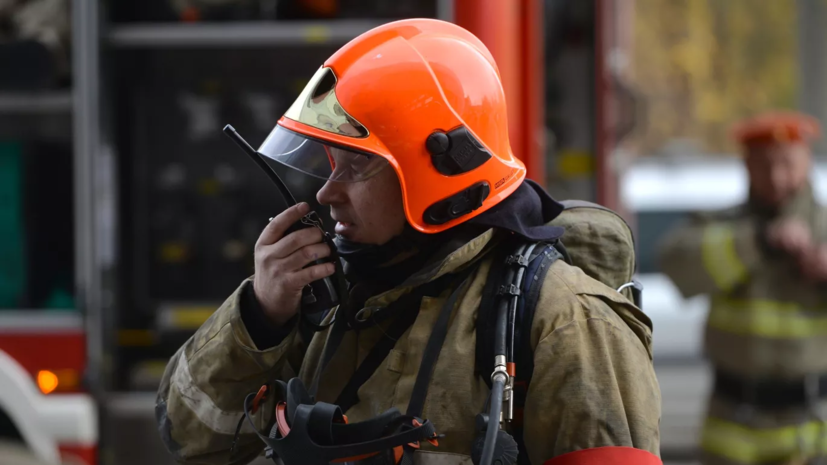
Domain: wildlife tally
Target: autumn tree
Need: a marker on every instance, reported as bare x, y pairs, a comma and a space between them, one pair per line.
700, 65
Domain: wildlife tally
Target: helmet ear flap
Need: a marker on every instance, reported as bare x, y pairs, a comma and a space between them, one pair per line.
456, 152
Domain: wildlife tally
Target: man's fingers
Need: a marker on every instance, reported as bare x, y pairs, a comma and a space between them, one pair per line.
794, 240
796, 244
304, 256
277, 226
294, 241
305, 276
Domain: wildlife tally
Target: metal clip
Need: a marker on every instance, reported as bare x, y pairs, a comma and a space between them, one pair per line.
311, 219
520, 260
308, 297
509, 289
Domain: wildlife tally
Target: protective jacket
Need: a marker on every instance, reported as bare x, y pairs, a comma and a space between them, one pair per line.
593, 383
766, 333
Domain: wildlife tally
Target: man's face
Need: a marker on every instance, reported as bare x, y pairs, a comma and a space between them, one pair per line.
368, 211
777, 171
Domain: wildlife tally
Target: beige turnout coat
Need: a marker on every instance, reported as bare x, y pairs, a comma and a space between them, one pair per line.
593, 382
765, 323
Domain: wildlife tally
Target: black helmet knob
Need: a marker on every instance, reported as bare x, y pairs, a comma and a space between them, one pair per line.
438, 143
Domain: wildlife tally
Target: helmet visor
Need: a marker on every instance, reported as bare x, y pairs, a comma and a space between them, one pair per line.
318, 159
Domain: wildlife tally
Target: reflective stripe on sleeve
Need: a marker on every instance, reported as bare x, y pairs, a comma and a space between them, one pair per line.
746, 445
767, 318
720, 258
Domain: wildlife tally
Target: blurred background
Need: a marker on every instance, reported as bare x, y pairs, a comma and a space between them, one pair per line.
126, 217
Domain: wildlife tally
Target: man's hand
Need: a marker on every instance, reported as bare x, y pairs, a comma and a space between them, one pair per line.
280, 275
813, 265
791, 236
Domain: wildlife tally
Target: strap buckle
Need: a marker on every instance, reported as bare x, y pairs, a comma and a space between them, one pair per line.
509, 289
520, 260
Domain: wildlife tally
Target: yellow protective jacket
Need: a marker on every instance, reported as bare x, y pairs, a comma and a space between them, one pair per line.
765, 323
593, 383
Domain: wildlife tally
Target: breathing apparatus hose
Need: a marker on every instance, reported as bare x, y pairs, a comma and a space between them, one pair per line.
504, 349
498, 380
497, 386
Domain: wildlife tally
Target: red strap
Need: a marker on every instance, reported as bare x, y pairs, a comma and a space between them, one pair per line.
606, 456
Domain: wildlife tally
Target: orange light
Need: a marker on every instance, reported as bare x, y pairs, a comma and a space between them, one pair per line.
66, 380
46, 381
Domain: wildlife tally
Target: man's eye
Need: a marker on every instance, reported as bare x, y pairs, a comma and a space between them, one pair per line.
361, 162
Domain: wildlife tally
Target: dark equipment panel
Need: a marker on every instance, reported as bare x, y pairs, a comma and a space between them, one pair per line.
193, 204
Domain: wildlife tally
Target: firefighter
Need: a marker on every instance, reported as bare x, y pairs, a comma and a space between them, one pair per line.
765, 265
407, 124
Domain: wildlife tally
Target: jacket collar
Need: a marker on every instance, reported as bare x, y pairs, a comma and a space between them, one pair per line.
460, 258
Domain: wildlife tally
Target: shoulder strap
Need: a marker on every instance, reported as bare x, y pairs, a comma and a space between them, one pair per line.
539, 263
536, 271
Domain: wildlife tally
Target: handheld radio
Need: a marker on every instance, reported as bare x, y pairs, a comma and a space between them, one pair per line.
319, 295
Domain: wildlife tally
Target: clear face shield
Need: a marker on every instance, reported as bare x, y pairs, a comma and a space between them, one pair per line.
317, 106
318, 159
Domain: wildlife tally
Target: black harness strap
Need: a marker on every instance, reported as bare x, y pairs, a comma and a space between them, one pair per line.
334, 340
434, 347
409, 311
406, 310
430, 356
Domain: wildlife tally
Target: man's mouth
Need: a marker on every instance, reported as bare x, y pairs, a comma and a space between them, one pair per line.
342, 227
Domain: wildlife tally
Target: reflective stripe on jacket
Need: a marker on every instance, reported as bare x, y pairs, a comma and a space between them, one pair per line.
765, 323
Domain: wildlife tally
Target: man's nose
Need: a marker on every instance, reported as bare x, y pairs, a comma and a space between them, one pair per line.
778, 176
330, 194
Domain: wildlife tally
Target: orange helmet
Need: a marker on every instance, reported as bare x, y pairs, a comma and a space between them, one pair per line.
421, 95
777, 127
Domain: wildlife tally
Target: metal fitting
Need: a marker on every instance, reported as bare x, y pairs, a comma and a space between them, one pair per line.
508, 399
500, 371
500, 368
